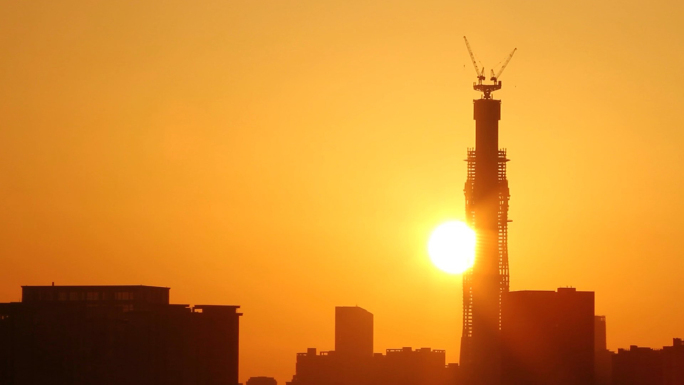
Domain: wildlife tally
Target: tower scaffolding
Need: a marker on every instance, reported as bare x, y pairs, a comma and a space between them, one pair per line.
502, 215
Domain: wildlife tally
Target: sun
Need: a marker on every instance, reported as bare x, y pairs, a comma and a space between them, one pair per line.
452, 247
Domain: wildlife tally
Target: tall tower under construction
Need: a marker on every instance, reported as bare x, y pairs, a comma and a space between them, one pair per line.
486, 196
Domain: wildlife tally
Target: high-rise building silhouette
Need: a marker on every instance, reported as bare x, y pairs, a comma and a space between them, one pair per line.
600, 338
351, 362
602, 356
353, 332
548, 337
487, 195
84, 335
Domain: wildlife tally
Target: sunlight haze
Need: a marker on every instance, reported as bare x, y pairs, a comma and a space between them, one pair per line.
293, 156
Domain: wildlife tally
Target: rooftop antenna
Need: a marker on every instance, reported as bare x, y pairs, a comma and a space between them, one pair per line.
487, 89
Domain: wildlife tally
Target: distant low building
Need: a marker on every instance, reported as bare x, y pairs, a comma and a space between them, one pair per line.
112, 335
404, 366
353, 363
262, 381
646, 366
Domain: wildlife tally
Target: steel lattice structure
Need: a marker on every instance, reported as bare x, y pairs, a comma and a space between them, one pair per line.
471, 219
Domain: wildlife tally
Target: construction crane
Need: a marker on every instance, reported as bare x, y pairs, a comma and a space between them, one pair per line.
487, 89
494, 78
478, 73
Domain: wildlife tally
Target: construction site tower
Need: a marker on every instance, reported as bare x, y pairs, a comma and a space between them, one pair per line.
486, 196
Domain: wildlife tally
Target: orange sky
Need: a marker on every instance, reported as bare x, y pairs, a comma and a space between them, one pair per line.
290, 156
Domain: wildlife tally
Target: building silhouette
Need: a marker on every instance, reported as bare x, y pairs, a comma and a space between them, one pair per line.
600, 333
353, 365
262, 381
646, 366
410, 367
84, 335
602, 356
353, 332
531, 337
487, 195
548, 337
404, 366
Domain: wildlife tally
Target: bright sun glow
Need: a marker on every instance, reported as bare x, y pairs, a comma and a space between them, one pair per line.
452, 247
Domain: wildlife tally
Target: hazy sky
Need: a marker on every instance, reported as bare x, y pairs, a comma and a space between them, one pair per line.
291, 156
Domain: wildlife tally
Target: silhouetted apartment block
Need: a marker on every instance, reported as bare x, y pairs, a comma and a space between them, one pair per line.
548, 337
646, 366
104, 335
673, 363
353, 332
327, 369
397, 367
411, 367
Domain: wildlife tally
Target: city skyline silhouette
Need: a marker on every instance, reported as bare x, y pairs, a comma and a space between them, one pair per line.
289, 158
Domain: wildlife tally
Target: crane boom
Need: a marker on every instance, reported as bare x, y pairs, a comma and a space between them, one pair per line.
508, 59
472, 57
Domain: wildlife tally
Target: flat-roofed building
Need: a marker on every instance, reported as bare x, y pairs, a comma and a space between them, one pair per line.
548, 337
262, 380
646, 366
353, 332
105, 335
404, 366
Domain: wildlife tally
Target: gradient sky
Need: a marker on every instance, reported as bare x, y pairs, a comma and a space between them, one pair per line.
291, 156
